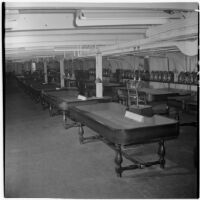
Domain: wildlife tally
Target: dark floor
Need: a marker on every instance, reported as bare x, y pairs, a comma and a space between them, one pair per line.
42, 159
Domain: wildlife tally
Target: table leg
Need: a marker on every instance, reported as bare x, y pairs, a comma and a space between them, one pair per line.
177, 117
64, 117
50, 110
43, 103
161, 153
168, 110
118, 160
37, 99
81, 133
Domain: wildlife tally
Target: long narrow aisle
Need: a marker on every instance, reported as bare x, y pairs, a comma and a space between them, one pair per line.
42, 159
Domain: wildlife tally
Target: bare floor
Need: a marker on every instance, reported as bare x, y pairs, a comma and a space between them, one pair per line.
42, 159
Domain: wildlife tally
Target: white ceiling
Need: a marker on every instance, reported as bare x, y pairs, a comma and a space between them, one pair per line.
35, 30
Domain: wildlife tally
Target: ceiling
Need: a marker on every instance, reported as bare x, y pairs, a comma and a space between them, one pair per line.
71, 30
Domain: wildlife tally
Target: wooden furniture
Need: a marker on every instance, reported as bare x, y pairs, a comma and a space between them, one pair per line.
133, 95
119, 132
187, 104
110, 89
69, 82
158, 94
122, 96
155, 94
157, 98
145, 110
35, 88
61, 100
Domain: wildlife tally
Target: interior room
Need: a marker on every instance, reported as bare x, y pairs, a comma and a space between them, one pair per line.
101, 100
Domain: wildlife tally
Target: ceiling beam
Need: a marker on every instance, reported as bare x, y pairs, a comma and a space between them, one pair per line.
112, 31
121, 21
60, 44
66, 38
40, 22
184, 30
145, 5
190, 21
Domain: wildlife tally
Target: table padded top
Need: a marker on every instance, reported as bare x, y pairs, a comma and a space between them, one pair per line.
161, 91
113, 115
157, 91
65, 95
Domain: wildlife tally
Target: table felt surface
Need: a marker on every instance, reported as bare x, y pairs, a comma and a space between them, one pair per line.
41, 86
113, 115
179, 91
107, 84
70, 96
161, 91
157, 91
65, 95
192, 102
180, 98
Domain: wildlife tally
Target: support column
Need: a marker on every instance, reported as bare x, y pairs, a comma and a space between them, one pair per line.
45, 72
99, 84
62, 73
33, 67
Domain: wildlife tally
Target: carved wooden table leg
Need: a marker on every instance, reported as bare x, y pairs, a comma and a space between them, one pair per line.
50, 110
161, 153
37, 99
81, 133
177, 116
168, 110
64, 119
118, 160
43, 103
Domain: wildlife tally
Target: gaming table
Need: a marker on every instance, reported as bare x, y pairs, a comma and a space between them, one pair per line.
110, 89
34, 89
160, 94
119, 132
61, 100
187, 104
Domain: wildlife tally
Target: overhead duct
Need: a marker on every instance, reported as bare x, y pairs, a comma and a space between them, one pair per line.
11, 19
189, 48
83, 20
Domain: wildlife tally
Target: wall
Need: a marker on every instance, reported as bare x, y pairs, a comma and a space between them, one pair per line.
177, 62
9, 67
14, 67
53, 64
39, 66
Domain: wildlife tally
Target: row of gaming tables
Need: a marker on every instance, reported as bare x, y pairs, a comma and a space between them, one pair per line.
108, 121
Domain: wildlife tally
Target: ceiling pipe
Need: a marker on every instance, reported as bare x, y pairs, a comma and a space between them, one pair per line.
83, 21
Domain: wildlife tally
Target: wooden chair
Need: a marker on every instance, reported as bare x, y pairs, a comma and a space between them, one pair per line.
134, 97
137, 101
122, 96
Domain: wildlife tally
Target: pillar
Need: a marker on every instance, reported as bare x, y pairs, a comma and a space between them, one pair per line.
99, 84
45, 72
62, 73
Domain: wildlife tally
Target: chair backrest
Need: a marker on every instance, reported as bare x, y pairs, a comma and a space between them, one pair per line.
133, 94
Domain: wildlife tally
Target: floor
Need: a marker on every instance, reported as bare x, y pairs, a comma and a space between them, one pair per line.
42, 159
